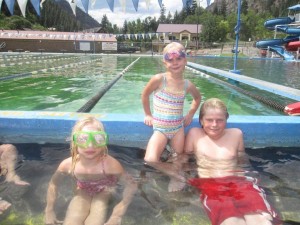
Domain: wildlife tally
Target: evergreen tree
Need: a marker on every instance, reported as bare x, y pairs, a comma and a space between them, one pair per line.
223, 9
244, 7
125, 27
169, 18
104, 24
162, 18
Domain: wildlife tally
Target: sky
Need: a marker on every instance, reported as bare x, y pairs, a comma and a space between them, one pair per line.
118, 16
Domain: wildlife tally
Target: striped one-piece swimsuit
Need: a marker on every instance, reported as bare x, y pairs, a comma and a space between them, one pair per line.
168, 110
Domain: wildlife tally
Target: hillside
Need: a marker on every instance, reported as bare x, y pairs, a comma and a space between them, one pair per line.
275, 7
55, 14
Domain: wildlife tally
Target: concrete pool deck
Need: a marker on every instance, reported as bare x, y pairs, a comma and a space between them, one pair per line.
129, 129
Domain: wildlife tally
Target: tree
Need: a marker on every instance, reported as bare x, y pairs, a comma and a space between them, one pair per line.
223, 9
104, 24
176, 18
169, 18
125, 27
162, 18
244, 7
210, 32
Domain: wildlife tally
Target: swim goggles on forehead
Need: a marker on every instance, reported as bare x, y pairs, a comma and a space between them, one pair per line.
84, 138
174, 54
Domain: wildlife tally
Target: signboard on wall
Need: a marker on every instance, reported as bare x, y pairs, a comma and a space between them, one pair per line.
85, 46
109, 46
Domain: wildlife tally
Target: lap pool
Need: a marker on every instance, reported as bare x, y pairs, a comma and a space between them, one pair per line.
41, 94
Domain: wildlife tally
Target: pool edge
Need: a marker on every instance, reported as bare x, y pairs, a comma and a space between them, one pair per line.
129, 129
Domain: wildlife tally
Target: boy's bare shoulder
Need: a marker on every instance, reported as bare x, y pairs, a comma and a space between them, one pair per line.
234, 131
195, 131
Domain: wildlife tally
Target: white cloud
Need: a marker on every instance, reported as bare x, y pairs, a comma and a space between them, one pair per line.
119, 16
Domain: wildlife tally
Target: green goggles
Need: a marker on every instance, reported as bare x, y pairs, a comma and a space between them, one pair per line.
84, 138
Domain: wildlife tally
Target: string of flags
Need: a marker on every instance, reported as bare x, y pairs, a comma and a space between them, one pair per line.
37, 5
84, 36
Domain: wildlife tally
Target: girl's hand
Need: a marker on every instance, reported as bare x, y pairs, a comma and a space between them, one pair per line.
148, 120
114, 220
187, 120
50, 218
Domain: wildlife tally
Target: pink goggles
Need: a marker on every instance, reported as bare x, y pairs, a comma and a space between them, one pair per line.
174, 54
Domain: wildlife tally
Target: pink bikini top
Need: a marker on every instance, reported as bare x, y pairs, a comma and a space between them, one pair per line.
95, 186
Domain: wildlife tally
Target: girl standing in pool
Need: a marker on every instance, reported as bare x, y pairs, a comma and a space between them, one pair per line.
169, 91
96, 174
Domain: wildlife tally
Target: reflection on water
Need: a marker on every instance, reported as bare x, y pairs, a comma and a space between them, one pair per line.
276, 169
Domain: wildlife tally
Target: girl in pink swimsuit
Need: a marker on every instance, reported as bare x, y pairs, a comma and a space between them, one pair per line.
96, 174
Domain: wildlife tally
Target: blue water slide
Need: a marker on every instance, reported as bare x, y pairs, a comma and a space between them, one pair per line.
289, 30
295, 7
270, 24
264, 44
281, 51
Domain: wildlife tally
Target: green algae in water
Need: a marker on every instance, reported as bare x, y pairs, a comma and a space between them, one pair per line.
15, 218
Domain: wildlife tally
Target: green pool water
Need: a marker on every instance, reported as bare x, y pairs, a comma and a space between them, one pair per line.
66, 82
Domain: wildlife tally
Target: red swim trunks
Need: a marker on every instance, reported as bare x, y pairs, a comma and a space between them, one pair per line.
231, 196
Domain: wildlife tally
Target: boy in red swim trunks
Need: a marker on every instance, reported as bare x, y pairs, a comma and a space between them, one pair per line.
228, 196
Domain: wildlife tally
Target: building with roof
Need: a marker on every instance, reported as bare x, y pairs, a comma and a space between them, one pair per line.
52, 41
187, 34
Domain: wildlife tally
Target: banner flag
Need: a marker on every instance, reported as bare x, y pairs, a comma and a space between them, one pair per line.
85, 4
160, 3
111, 4
93, 2
73, 4
135, 4
22, 5
42, 2
187, 3
10, 5
123, 5
147, 3
36, 6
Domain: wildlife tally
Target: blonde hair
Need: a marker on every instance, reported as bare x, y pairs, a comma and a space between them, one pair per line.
89, 120
173, 46
213, 103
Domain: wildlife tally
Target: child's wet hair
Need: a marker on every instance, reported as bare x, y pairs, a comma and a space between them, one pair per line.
173, 46
79, 125
214, 103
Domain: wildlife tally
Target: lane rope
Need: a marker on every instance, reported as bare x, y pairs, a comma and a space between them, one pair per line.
89, 105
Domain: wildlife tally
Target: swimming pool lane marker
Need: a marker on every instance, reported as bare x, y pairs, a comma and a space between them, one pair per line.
89, 105
22, 75
35, 61
10, 59
291, 109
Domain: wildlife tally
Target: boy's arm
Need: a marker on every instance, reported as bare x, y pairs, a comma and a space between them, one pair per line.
189, 142
243, 158
194, 105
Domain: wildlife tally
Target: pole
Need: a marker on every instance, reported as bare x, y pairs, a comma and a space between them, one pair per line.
197, 39
237, 30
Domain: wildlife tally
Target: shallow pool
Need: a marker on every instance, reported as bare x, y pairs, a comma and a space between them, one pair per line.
276, 168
